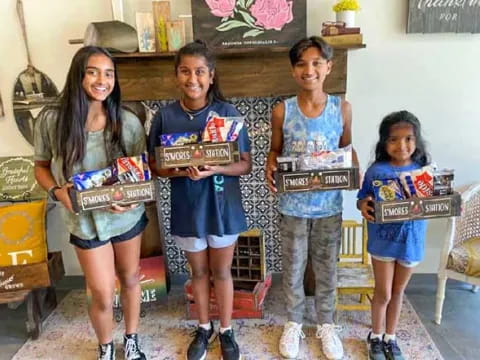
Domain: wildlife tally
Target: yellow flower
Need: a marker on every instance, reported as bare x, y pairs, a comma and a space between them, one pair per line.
344, 5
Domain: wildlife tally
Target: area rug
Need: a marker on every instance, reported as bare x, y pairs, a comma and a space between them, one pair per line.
165, 334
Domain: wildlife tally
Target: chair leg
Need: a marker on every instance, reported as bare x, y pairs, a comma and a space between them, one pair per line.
474, 288
442, 281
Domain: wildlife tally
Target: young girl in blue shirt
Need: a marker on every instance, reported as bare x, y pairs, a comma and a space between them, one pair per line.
395, 248
206, 205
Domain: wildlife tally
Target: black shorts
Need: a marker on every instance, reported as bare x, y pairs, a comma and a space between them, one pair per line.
95, 242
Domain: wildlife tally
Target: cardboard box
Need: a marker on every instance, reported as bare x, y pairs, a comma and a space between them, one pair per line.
418, 208
105, 196
197, 155
310, 180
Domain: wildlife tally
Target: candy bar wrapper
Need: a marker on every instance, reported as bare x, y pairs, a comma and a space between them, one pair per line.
191, 137
423, 181
132, 169
387, 190
443, 182
407, 183
90, 179
340, 158
222, 129
286, 163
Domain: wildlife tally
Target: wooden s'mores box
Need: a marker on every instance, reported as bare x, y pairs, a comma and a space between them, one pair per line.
418, 208
199, 154
106, 196
312, 180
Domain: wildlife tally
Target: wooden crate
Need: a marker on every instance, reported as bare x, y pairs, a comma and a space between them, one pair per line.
197, 155
311, 180
247, 300
249, 257
418, 208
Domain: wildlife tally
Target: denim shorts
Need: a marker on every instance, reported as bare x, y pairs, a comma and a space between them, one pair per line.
404, 263
96, 242
194, 244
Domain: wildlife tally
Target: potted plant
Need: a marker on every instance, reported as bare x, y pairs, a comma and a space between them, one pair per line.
345, 10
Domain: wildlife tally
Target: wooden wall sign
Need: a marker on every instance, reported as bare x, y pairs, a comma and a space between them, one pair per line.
161, 14
436, 16
249, 23
17, 180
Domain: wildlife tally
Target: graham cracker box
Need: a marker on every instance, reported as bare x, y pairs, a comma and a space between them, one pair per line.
198, 154
418, 208
314, 180
106, 196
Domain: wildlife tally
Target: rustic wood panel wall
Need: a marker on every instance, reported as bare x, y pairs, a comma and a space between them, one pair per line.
263, 74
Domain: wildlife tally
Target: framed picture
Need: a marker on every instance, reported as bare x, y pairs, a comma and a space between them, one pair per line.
249, 23
443, 16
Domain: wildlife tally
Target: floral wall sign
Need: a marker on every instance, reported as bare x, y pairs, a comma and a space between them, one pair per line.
249, 23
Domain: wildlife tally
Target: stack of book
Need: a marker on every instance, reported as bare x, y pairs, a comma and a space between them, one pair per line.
337, 34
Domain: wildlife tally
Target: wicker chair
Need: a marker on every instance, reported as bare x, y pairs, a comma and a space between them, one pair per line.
460, 259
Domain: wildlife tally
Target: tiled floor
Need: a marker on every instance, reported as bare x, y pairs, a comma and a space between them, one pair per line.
457, 338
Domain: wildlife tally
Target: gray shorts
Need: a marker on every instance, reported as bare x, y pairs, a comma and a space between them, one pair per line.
194, 244
401, 262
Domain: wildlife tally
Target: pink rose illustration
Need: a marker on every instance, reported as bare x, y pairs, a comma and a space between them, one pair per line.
221, 8
272, 14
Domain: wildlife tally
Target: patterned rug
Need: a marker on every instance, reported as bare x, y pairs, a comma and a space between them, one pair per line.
165, 334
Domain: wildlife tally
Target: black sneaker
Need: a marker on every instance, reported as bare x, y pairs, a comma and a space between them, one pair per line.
376, 348
392, 351
106, 351
131, 348
197, 350
230, 350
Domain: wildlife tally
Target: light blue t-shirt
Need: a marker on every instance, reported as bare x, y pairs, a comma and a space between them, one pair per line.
400, 240
304, 135
210, 206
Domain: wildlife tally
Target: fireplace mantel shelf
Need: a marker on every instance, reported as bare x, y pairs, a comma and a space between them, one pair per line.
255, 72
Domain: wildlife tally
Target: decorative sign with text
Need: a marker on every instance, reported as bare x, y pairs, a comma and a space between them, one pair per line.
436, 16
249, 23
17, 180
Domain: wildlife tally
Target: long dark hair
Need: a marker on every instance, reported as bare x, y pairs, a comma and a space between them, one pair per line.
420, 156
200, 49
73, 111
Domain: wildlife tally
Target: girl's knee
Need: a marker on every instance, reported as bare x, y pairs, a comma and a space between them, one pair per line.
102, 299
382, 296
397, 292
222, 274
200, 272
129, 279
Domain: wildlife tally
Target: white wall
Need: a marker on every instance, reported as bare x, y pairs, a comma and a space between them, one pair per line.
435, 76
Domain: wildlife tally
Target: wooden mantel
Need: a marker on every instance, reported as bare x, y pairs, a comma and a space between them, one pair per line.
242, 73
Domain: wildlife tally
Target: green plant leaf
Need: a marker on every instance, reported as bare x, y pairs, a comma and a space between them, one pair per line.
247, 17
231, 25
224, 19
253, 33
249, 2
241, 3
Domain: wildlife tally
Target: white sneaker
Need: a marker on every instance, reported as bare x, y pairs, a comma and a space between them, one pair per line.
290, 340
331, 344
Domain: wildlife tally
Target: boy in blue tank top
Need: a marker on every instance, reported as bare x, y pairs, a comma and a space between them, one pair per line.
310, 221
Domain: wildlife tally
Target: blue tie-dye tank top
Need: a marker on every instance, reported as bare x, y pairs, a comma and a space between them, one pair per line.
304, 135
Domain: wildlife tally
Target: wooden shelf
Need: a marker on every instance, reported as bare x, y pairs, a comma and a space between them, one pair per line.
256, 72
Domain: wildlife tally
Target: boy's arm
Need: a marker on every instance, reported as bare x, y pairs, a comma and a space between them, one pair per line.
346, 138
276, 144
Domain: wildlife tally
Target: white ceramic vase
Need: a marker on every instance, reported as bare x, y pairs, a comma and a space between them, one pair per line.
348, 17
